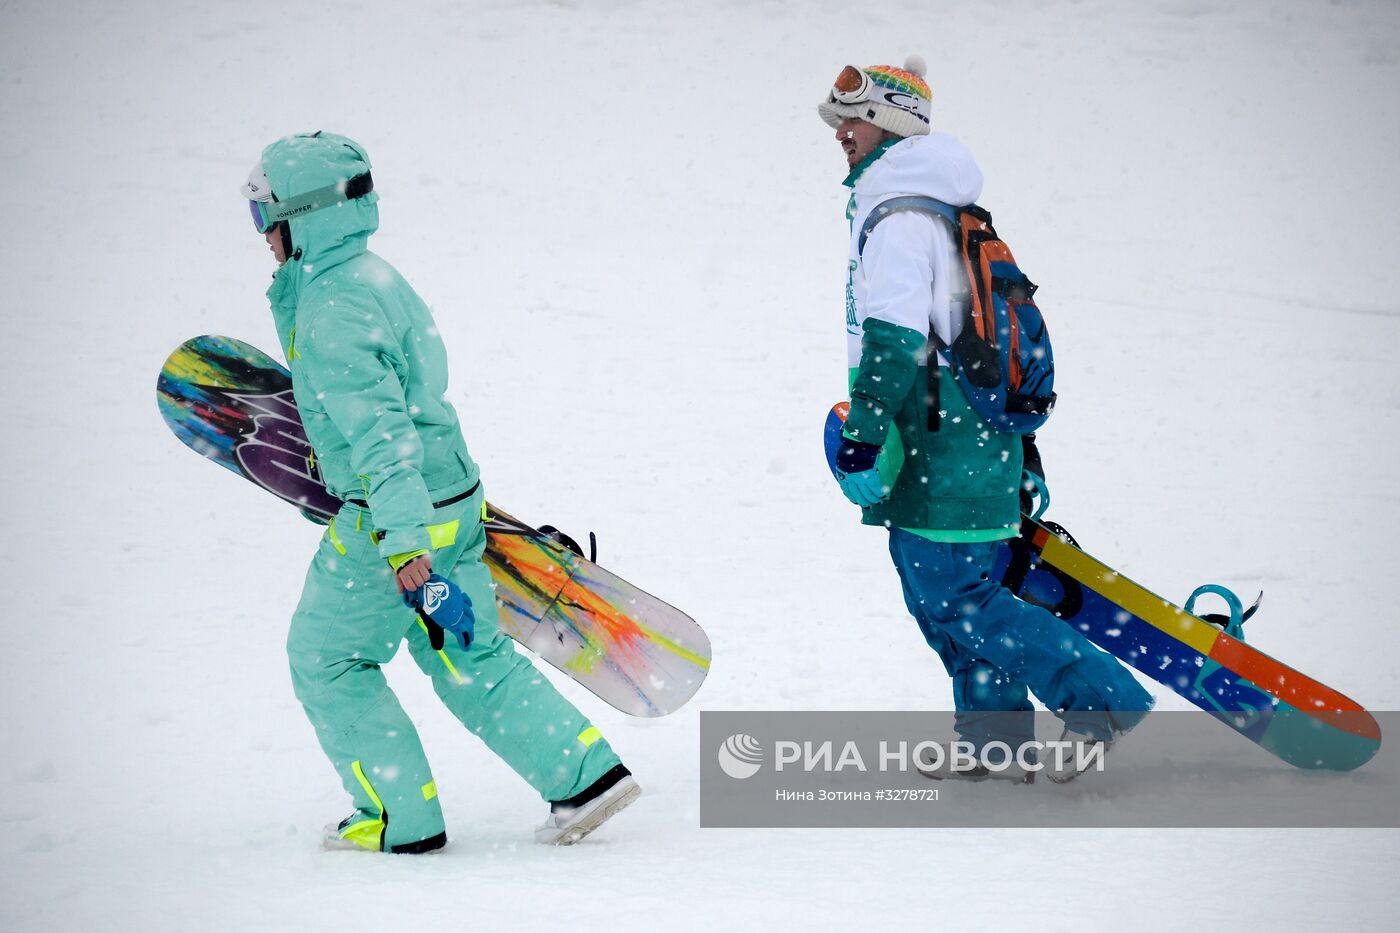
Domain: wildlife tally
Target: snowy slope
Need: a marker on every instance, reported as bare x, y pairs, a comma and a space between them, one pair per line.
628, 219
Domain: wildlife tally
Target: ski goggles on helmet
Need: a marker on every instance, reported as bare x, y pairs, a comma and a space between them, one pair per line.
268, 212
261, 221
851, 86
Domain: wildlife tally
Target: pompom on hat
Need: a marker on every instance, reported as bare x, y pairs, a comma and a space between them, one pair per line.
894, 99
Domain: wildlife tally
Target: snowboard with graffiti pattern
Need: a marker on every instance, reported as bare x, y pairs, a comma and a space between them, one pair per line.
233, 404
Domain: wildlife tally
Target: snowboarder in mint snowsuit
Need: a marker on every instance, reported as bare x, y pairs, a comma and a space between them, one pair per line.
369, 373
957, 490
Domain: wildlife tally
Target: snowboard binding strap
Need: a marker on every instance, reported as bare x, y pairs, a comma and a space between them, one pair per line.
549, 531
1232, 624
1039, 496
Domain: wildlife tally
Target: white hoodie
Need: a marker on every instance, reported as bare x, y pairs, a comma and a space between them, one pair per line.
910, 264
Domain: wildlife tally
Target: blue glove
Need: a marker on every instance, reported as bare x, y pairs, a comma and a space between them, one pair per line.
445, 608
856, 473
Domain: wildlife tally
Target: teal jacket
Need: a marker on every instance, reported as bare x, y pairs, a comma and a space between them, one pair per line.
958, 481
368, 368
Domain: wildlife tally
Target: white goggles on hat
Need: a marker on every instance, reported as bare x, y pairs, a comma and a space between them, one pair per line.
851, 86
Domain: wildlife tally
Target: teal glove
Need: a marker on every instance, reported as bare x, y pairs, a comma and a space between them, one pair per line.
864, 489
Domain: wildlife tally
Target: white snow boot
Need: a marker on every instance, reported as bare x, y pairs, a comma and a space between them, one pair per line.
570, 820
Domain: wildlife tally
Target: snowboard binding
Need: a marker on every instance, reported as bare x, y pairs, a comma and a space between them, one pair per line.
504, 524
1231, 624
554, 534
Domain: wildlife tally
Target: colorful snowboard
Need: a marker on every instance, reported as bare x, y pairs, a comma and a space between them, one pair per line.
232, 403
1303, 722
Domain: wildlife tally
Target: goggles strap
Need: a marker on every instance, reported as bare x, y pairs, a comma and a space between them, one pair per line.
357, 187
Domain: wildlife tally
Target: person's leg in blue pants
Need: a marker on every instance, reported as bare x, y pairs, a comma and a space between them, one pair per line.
995, 646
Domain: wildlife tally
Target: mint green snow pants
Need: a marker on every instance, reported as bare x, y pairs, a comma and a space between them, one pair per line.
351, 620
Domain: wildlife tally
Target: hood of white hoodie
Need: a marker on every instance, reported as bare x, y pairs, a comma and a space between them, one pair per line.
934, 166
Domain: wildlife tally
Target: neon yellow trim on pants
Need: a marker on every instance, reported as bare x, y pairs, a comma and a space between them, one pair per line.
367, 834
334, 538
456, 677
430, 790
369, 788
362, 832
589, 736
444, 535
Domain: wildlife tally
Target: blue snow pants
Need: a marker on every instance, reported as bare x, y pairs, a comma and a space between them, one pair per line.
996, 647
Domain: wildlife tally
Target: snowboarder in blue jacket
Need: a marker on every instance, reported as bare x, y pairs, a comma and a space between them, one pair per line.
956, 493
369, 372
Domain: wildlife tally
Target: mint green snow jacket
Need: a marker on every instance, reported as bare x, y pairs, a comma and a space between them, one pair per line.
368, 368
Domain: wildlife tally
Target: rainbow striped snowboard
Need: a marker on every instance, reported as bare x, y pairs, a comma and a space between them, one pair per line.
232, 403
1302, 721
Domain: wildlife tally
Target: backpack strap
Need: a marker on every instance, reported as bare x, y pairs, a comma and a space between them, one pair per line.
949, 215
922, 205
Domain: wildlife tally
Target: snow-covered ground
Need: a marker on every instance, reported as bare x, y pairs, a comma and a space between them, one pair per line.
628, 219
